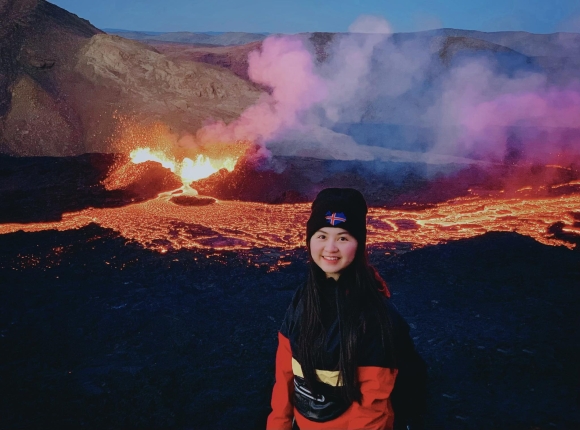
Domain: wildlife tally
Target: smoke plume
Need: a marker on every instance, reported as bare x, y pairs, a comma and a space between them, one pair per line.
411, 97
284, 65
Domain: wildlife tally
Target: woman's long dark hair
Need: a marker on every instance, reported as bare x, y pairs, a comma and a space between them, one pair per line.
364, 305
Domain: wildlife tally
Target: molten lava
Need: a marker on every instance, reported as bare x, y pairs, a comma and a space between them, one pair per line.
156, 142
162, 225
545, 207
188, 170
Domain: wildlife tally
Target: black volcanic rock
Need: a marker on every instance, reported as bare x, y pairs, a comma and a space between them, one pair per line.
295, 180
97, 332
35, 189
192, 200
392, 184
557, 231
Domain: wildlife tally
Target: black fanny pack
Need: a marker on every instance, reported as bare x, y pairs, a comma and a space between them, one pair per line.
324, 405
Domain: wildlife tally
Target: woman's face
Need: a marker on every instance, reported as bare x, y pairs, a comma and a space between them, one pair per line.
332, 249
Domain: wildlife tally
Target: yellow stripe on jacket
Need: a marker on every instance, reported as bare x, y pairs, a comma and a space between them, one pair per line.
329, 377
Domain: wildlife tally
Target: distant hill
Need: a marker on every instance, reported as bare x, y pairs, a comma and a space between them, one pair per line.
235, 57
557, 54
206, 38
530, 44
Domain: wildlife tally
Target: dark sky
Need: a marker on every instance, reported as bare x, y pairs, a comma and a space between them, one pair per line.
285, 16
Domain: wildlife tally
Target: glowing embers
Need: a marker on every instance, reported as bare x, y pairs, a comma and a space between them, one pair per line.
141, 155
190, 157
160, 225
188, 170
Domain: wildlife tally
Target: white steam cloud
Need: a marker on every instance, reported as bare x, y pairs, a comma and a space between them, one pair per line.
408, 97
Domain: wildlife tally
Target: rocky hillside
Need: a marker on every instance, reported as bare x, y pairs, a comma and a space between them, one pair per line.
64, 84
234, 58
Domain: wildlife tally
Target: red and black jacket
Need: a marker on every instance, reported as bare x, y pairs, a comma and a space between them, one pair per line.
386, 387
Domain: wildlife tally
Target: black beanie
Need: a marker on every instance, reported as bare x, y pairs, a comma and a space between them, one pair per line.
339, 207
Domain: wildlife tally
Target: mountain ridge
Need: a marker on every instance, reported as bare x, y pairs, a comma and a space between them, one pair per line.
530, 44
66, 85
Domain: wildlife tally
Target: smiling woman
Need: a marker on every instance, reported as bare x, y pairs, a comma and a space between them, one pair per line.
345, 357
333, 249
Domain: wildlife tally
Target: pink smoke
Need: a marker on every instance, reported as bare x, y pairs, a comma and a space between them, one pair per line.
482, 114
543, 122
471, 111
284, 65
553, 108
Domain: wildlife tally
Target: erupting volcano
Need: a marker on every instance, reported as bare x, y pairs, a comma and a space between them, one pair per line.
188, 170
154, 196
416, 217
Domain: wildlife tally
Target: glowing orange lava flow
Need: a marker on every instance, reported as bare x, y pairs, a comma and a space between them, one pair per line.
189, 170
162, 225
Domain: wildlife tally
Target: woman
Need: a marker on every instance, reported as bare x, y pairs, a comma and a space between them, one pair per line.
345, 359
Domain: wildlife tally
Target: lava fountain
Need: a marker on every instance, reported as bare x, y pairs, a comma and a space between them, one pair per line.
189, 158
545, 207
188, 169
